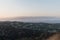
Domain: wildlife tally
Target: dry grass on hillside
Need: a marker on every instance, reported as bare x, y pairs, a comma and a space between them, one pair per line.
56, 36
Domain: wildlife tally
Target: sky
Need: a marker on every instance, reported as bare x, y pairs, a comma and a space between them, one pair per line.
15, 8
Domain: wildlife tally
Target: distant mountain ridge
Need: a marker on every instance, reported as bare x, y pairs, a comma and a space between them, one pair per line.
34, 19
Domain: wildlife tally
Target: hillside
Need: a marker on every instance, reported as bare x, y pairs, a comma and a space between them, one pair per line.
27, 31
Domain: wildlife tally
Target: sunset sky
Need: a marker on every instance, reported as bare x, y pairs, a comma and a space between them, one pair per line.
15, 8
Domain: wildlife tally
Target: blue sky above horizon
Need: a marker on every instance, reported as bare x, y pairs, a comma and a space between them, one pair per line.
14, 8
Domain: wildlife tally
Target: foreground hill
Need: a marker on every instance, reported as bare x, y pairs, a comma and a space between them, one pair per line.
27, 31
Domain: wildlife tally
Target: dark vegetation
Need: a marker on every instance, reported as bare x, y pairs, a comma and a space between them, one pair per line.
27, 31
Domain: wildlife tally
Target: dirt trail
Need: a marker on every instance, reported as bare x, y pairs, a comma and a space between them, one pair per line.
56, 36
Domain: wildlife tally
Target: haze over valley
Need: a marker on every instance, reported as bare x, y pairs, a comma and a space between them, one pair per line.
34, 19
